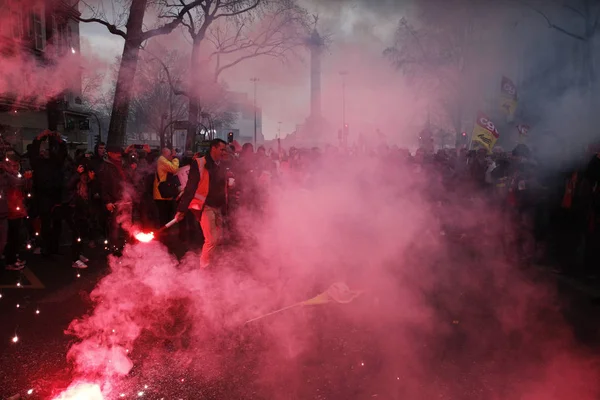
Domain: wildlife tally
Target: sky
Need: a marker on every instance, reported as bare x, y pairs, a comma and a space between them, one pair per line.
359, 36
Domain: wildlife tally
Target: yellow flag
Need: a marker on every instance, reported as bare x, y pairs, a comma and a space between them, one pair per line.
485, 132
508, 98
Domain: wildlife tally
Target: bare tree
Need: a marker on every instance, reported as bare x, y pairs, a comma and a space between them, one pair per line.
436, 59
154, 108
134, 36
237, 30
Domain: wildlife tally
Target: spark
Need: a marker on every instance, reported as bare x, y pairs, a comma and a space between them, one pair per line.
72, 50
362, 364
18, 306
37, 234
78, 275
37, 311
122, 395
140, 394
18, 284
79, 239
28, 246
28, 194
0, 295
15, 339
30, 391
145, 386
106, 242
6, 159
18, 208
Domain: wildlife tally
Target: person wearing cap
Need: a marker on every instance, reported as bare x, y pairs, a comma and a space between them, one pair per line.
111, 177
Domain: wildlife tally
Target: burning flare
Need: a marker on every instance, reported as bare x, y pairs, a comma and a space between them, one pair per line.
144, 237
81, 391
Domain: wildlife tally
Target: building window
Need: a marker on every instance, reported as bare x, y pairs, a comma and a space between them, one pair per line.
16, 21
37, 27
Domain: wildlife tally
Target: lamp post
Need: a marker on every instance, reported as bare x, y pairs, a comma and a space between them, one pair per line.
343, 75
255, 81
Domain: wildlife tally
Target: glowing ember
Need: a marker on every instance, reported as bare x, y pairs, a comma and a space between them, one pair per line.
15, 339
144, 237
81, 391
30, 391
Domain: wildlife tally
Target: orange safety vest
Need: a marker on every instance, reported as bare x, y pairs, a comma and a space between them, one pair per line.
197, 202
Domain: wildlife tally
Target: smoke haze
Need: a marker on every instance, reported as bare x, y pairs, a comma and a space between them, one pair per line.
441, 316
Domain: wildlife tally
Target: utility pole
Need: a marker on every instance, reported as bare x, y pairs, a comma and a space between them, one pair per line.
255, 81
343, 74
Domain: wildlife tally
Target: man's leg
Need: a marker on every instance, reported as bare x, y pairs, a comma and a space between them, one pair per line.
210, 222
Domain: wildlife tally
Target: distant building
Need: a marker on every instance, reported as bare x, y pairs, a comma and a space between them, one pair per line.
242, 106
46, 32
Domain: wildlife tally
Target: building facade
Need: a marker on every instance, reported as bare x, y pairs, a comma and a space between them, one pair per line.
39, 48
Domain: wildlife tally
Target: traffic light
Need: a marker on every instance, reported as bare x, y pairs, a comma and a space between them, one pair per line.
230, 137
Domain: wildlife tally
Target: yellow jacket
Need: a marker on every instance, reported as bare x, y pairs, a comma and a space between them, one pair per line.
163, 167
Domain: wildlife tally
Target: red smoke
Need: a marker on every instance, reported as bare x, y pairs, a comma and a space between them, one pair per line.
438, 317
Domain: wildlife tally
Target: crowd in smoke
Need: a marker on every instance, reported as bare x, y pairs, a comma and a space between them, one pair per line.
441, 245
446, 310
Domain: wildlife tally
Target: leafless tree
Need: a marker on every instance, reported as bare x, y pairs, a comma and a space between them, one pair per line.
156, 106
436, 58
131, 13
234, 31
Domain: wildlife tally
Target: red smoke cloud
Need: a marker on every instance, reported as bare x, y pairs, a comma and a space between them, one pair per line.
441, 314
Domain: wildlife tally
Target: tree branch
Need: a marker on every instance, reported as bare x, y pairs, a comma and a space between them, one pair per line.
170, 26
111, 28
552, 25
576, 11
234, 13
176, 92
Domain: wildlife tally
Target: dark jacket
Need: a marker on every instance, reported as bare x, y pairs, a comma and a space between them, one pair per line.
111, 179
48, 172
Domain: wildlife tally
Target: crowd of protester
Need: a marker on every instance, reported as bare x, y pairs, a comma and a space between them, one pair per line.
553, 214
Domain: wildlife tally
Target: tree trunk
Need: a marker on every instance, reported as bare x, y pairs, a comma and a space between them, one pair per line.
194, 101
117, 130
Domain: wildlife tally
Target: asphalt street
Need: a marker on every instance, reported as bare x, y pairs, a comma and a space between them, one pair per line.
40, 301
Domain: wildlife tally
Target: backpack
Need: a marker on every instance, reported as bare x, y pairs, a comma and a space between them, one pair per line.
168, 188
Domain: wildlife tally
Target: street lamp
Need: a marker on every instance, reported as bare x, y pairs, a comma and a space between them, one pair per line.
255, 81
343, 75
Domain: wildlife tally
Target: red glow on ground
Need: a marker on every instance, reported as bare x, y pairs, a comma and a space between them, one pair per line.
81, 391
144, 237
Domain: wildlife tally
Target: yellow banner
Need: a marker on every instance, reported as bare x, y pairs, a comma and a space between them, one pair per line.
485, 132
508, 98
509, 106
